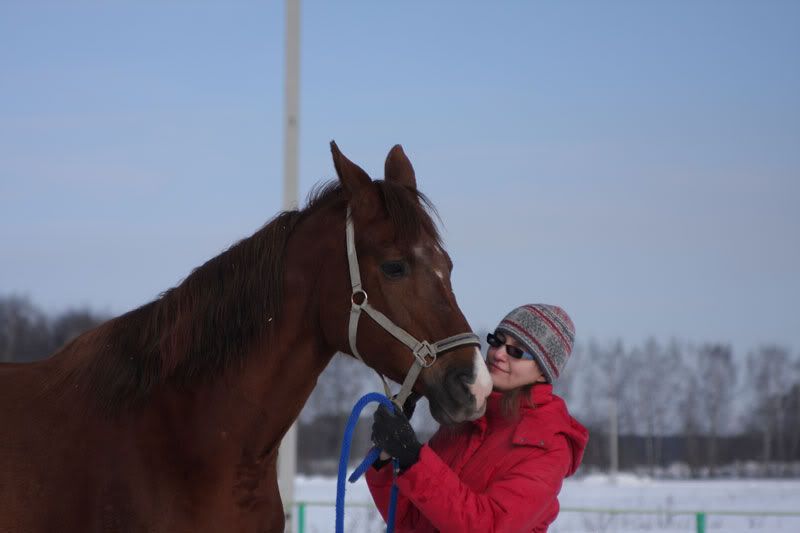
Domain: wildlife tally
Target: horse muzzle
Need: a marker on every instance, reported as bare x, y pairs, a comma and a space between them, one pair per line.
460, 392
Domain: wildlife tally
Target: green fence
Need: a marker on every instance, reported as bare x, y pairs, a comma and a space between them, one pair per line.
700, 515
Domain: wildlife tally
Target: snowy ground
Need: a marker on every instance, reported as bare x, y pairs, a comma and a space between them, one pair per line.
598, 492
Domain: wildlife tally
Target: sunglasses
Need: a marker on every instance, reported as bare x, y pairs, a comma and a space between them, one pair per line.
497, 340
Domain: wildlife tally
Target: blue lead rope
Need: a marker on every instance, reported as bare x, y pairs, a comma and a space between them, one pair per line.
366, 463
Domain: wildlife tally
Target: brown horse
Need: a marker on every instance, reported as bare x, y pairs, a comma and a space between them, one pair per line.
168, 418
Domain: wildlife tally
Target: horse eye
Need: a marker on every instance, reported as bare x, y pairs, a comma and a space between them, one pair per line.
394, 269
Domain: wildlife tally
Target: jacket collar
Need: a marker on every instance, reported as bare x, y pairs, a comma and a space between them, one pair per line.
540, 428
541, 394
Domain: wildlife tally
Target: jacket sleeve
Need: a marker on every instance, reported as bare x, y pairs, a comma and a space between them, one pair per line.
407, 517
380, 486
514, 502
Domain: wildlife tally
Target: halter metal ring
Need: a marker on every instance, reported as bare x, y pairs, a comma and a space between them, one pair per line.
357, 293
425, 354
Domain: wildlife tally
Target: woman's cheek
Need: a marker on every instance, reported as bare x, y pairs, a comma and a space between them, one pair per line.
498, 379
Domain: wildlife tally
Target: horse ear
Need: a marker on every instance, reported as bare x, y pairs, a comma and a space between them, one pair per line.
398, 168
353, 178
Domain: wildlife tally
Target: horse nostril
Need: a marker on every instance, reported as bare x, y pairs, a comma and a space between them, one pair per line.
466, 380
458, 383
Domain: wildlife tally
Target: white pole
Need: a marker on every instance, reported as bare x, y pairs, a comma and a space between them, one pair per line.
292, 103
287, 455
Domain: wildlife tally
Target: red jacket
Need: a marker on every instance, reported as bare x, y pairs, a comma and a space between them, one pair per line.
490, 475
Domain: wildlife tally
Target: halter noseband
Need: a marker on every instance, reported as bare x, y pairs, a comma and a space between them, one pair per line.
425, 353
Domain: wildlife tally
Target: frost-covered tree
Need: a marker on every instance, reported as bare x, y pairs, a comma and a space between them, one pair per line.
67, 325
772, 373
24, 331
717, 377
656, 376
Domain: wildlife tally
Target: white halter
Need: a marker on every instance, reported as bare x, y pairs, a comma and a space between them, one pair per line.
424, 352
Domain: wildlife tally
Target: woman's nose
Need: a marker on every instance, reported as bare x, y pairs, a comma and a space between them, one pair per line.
500, 353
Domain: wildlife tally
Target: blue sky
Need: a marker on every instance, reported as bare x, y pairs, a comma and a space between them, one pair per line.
637, 163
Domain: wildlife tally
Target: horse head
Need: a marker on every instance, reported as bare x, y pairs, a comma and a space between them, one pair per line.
405, 274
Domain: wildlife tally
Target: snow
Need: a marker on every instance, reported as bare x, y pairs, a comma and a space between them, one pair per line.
627, 492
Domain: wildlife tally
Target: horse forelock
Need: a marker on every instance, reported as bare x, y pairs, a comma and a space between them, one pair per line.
409, 212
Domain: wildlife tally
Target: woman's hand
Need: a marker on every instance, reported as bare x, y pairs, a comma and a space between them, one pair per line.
392, 433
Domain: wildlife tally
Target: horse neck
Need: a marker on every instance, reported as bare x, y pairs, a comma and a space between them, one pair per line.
252, 406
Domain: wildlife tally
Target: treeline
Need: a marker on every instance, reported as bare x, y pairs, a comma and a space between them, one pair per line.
677, 409
698, 406
28, 334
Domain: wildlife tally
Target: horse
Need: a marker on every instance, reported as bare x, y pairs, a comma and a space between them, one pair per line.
168, 418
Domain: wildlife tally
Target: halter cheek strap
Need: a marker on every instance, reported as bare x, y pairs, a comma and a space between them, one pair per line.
425, 353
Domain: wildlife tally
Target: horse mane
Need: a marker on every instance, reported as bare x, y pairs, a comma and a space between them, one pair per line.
207, 323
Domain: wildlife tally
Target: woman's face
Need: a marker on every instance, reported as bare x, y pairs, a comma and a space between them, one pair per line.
509, 373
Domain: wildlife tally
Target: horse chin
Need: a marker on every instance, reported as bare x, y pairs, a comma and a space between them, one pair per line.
442, 416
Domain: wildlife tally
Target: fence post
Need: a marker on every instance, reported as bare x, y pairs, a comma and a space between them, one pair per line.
301, 518
701, 522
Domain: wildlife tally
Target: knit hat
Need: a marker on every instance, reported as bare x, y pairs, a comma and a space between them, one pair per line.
545, 331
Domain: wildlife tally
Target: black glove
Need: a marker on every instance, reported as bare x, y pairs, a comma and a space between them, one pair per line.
392, 433
408, 410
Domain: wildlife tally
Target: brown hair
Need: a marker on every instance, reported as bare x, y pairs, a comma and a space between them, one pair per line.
513, 400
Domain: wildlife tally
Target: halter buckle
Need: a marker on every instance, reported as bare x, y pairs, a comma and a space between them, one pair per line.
425, 354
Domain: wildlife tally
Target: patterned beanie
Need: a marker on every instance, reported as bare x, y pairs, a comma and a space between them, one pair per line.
545, 331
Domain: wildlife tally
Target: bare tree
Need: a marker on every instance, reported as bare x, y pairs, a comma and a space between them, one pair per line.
654, 381
793, 415
340, 385
770, 371
572, 378
71, 323
24, 331
674, 358
606, 400
691, 425
324, 418
717, 374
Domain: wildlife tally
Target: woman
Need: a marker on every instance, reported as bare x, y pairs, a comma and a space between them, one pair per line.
503, 471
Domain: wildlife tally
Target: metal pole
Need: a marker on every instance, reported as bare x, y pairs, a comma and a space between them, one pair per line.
287, 455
